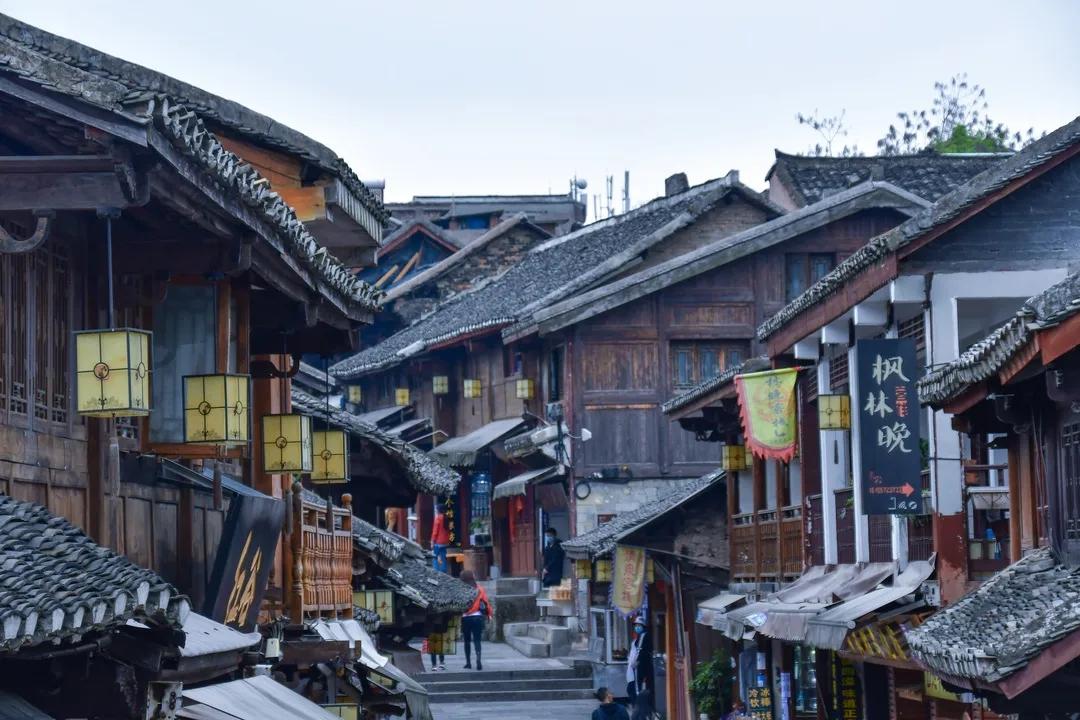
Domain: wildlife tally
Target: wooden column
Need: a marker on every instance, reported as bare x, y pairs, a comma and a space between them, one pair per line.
1015, 501
732, 511
759, 504
671, 646
295, 598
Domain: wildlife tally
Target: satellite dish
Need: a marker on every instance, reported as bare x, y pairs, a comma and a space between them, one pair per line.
580, 183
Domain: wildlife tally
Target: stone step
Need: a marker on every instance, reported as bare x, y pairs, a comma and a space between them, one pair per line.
538, 696
476, 684
549, 633
529, 646
567, 673
516, 629
516, 586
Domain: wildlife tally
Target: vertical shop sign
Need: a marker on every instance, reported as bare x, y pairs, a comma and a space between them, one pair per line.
759, 703
888, 409
845, 683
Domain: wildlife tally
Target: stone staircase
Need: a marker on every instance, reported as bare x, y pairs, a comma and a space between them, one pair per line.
514, 600
541, 685
538, 639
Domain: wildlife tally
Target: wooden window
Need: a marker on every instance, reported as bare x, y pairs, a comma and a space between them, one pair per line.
37, 317
694, 362
838, 373
1069, 486
802, 270
915, 328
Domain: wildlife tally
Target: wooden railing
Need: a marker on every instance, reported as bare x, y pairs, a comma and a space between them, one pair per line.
322, 546
879, 527
743, 546
920, 537
768, 534
815, 537
845, 526
791, 540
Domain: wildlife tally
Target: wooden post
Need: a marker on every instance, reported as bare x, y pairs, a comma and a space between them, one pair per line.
1015, 501
347, 559
296, 597
759, 502
732, 511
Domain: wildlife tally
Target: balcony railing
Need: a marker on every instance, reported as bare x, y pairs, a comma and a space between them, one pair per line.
845, 526
767, 544
879, 528
743, 546
920, 537
768, 533
816, 531
322, 558
791, 541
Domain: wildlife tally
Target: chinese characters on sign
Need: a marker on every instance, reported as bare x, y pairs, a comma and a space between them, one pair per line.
759, 703
888, 407
767, 411
845, 687
628, 590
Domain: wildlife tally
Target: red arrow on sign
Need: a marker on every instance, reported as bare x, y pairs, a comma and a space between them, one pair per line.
907, 489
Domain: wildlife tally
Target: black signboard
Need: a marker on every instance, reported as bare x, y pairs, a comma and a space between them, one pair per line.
888, 408
244, 559
846, 702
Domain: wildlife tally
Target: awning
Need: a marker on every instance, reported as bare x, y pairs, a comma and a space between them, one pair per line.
463, 451
14, 707
829, 629
382, 414
989, 498
352, 632
709, 610
253, 698
517, 484
208, 637
416, 697
409, 426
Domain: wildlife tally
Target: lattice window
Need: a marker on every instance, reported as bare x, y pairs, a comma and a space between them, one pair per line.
838, 373
915, 328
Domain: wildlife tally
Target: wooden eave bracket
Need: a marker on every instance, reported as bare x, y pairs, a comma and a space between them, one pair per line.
11, 245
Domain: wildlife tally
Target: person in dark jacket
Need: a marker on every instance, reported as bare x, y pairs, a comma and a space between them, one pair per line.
474, 620
639, 671
553, 558
609, 709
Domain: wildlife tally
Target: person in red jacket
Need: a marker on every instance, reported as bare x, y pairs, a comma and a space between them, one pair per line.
440, 538
472, 623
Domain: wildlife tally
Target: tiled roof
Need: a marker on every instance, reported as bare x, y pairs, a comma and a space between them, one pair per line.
944, 210
424, 472
384, 547
548, 273
998, 628
928, 175
988, 356
602, 539
139, 94
714, 383
56, 584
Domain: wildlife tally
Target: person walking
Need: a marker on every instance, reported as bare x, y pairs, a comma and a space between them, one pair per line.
438, 660
554, 557
639, 671
609, 709
472, 623
440, 538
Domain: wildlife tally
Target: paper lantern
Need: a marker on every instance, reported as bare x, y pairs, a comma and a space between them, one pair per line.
330, 456
287, 443
356, 394
603, 570
472, 388
525, 389
583, 568
112, 373
733, 458
834, 412
401, 396
379, 601
440, 385
216, 409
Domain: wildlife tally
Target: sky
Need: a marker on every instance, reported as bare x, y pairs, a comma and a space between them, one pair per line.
505, 97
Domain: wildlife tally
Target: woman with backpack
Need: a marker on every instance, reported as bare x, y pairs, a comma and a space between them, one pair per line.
472, 623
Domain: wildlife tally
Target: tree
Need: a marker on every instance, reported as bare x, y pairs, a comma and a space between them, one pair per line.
830, 128
712, 684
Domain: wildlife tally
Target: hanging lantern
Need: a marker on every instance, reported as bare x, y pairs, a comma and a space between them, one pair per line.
603, 570
112, 375
472, 389
526, 389
330, 456
834, 412
356, 394
216, 409
583, 569
379, 601
733, 458
401, 396
287, 443
440, 385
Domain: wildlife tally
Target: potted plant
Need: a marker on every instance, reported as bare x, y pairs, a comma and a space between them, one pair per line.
711, 685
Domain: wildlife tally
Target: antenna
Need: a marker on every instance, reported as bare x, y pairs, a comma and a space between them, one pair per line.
626, 192
596, 206
610, 193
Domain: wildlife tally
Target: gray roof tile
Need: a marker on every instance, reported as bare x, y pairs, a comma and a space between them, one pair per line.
714, 383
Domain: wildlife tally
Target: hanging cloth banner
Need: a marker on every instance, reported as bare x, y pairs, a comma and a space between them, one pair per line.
767, 411
628, 587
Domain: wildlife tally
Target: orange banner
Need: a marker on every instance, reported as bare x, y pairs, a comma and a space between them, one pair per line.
628, 588
767, 411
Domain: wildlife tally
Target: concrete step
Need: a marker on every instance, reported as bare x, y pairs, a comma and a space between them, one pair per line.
548, 632
529, 646
516, 586
540, 696
567, 673
516, 629
476, 684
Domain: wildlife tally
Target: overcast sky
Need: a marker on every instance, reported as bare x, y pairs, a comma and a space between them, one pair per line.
516, 97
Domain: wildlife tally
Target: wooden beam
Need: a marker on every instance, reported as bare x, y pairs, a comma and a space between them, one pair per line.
126, 127
1057, 341
68, 182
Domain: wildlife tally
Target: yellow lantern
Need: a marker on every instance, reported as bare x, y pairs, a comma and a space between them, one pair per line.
603, 570
112, 374
650, 571
379, 601
216, 409
834, 412
287, 443
440, 385
733, 458
401, 396
330, 456
356, 394
583, 568
526, 389
472, 389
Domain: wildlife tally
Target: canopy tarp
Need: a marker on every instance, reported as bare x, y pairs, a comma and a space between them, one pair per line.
253, 698
519, 483
463, 451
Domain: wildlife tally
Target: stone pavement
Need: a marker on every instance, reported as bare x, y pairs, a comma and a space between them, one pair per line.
555, 710
497, 656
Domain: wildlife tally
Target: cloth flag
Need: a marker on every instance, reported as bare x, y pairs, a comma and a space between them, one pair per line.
767, 411
628, 588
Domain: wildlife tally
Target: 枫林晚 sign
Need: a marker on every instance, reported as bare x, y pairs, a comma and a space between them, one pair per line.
890, 461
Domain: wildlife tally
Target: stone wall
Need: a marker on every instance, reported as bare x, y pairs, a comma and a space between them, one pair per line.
609, 498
